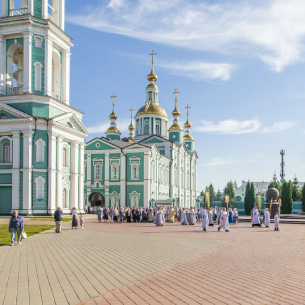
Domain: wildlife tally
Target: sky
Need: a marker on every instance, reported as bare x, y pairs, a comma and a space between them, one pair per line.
240, 65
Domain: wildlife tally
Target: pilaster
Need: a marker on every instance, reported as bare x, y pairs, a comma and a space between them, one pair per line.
89, 165
123, 181
66, 76
44, 9
146, 195
2, 63
16, 170
4, 8
106, 167
48, 65
81, 177
62, 15
52, 172
31, 7
74, 173
59, 170
27, 62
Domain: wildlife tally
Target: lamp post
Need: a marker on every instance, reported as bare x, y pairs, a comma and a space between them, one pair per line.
227, 199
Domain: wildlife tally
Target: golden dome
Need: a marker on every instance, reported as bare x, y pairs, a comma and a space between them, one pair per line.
113, 116
131, 127
152, 86
112, 130
188, 137
187, 124
152, 109
152, 77
176, 112
176, 127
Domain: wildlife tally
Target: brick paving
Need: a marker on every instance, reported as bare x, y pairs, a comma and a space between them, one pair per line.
144, 264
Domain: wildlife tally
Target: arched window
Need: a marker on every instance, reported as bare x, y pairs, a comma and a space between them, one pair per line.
39, 188
56, 74
134, 171
3, 116
40, 151
38, 67
65, 198
115, 171
98, 171
6, 152
158, 128
114, 201
146, 127
65, 162
134, 201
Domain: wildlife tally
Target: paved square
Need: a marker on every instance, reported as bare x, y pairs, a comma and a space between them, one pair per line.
144, 264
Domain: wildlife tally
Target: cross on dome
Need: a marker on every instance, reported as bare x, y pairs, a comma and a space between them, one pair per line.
152, 56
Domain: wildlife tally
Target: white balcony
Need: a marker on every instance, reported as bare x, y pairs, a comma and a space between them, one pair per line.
19, 11
15, 90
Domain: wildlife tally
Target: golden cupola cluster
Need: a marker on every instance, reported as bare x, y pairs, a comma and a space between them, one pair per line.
188, 126
131, 128
113, 117
176, 113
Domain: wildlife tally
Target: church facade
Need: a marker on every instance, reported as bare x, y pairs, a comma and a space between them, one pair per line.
156, 165
41, 135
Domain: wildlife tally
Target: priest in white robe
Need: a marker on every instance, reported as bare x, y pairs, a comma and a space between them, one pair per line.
160, 218
255, 219
183, 217
192, 217
224, 221
267, 218
205, 218
210, 214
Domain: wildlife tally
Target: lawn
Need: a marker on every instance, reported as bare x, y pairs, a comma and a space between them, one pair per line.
5, 235
49, 218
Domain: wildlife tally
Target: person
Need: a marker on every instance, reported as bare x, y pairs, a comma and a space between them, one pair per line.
121, 214
171, 215
204, 215
75, 218
128, 215
160, 218
16, 225
81, 221
224, 222
105, 214
86, 209
150, 215
251, 215
255, 219
235, 216
156, 209
58, 219
276, 221
267, 218
115, 214
192, 218
210, 214
183, 217
219, 211
99, 214
230, 215
138, 213
89, 209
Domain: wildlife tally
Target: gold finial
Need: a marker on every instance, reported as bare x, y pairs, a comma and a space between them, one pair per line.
187, 124
113, 115
152, 77
131, 127
176, 112
176, 93
131, 110
188, 107
152, 57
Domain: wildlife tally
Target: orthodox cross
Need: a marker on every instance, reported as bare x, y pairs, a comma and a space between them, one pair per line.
176, 93
113, 97
131, 110
152, 56
188, 107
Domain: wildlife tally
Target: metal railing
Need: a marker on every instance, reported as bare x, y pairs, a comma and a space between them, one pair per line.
53, 20
19, 11
15, 90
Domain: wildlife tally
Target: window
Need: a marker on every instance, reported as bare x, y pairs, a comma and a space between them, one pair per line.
65, 198
40, 151
153, 172
38, 67
146, 127
134, 201
38, 42
114, 201
98, 171
6, 152
134, 171
65, 162
3, 116
150, 96
115, 171
182, 178
158, 128
39, 188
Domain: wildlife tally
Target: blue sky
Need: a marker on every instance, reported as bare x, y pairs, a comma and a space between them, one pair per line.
239, 64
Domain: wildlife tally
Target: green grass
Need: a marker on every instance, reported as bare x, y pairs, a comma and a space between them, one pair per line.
49, 218
5, 235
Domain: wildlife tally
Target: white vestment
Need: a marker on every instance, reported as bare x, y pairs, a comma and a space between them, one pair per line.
183, 217
192, 218
224, 221
267, 218
255, 219
160, 218
204, 215
276, 222
210, 217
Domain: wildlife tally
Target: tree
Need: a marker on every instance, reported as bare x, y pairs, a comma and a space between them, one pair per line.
202, 193
218, 196
229, 190
274, 183
248, 206
252, 195
296, 193
235, 185
287, 197
212, 195
303, 198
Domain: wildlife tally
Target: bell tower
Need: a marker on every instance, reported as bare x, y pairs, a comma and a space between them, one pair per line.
34, 55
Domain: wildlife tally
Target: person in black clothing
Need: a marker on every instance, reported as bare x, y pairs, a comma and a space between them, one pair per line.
58, 219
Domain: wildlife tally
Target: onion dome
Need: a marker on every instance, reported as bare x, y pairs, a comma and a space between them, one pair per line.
113, 116
131, 127
152, 109
176, 127
188, 137
152, 77
112, 130
187, 124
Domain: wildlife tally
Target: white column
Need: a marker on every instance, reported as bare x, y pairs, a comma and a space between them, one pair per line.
2, 63
146, 195
4, 8
31, 7
62, 15
106, 168
52, 173
89, 165
66, 76
157, 177
59, 170
48, 66
150, 120
45, 9
172, 178
16, 170
123, 181
27, 171
27, 62
154, 126
74, 174
81, 177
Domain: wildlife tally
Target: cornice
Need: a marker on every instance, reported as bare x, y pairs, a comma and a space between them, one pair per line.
69, 130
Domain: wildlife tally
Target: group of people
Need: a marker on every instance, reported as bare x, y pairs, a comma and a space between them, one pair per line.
255, 220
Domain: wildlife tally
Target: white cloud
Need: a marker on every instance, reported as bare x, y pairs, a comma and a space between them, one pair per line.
200, 70
281, 126
271, 30
219, 162
229, 127
122, 125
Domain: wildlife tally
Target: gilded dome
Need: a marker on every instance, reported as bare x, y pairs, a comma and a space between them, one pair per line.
131, 127
176, 127
112, 130
152, 86
188, 137
152, 109
187, 124
152, 77
176, 112
113, 116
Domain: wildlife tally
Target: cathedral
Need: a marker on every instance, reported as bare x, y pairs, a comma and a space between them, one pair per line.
155, 165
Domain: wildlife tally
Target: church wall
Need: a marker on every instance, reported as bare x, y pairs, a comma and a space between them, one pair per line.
38, 55
40, 204
140, 190
5, 199
141, 166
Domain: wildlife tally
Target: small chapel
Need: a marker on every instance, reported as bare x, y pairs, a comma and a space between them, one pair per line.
156, 164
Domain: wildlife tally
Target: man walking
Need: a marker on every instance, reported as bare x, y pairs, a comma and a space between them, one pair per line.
58, 219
